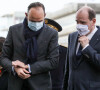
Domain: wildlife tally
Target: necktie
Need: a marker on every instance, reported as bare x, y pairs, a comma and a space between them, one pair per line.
79, 53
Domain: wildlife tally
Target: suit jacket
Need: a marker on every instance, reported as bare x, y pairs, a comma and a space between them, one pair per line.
47, 57
83, 74
57, 75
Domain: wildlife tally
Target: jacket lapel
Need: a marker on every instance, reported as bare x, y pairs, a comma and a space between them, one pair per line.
21, 31
95, 38
41, 36
74, 41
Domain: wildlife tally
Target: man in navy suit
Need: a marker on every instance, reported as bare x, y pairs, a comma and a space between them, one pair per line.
83, 57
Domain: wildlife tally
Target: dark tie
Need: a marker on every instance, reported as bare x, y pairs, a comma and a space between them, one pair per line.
79, 53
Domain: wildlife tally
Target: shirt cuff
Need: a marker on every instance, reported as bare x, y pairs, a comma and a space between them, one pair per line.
29, 69
13, 70
85, 47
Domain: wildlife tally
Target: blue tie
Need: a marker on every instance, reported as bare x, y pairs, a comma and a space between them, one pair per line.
79, 53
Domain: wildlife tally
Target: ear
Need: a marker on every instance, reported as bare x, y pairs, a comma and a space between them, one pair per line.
94, 21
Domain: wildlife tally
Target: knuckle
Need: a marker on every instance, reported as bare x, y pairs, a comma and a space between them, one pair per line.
18, 74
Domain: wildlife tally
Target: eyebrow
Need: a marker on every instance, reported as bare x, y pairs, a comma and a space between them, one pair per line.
81, 21
35, 21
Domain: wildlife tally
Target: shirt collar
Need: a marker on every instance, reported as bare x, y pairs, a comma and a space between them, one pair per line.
92, 33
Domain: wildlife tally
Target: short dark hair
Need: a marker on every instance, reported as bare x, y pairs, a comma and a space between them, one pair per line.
36, 4
91, 13
2, 39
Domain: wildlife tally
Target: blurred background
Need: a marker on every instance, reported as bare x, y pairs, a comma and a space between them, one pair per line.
62, 11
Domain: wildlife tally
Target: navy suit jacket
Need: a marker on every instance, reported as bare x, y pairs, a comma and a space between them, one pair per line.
83, 74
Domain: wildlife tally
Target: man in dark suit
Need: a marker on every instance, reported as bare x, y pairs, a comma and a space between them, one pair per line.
83, 57
57, 75
3, 72
30, 51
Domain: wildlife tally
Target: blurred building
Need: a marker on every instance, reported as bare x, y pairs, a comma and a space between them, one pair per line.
11, 19
65, 17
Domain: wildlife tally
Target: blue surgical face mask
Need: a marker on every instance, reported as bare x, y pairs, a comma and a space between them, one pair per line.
35, 26
82, 29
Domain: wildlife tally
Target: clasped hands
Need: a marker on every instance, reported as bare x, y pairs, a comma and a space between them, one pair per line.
20, 69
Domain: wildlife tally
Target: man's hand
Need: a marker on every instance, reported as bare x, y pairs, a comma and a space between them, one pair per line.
22, 73
83, 41
18, 63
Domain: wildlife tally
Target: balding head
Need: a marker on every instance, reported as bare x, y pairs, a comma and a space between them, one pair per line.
86, 9
86, 16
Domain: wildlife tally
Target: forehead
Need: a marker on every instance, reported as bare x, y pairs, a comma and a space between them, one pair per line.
82, 15
36, 14
36, 11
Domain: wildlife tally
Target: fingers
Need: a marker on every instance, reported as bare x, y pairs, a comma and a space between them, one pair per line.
25, 71
22, 73
18, 63
20, 69
83, 41
26, 66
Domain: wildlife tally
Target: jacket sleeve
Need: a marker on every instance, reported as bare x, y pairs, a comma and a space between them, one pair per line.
52, 60
7, 50
92, 56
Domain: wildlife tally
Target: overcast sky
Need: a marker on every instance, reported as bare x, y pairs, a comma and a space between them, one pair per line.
8, 6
